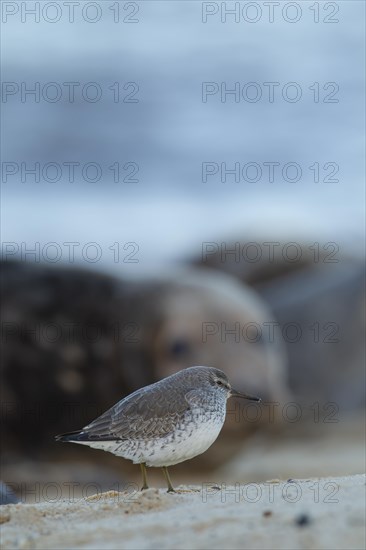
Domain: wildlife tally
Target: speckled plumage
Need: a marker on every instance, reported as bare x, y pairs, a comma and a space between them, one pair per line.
165, 423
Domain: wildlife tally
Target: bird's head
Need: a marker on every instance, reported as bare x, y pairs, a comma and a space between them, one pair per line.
221, 382
218, 381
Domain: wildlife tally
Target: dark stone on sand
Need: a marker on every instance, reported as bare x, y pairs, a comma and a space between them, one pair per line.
302, 520
7, 495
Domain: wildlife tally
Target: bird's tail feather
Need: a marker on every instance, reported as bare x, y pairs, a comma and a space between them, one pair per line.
81, 435
72, 436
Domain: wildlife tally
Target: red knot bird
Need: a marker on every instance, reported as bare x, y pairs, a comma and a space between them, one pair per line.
165, 423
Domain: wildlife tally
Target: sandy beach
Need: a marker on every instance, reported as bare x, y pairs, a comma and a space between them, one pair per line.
318, 513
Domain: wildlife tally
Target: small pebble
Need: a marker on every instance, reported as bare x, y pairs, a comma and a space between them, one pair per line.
267, 513
302, 520
4, 517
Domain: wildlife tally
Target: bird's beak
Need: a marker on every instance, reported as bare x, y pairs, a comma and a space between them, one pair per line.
235, 393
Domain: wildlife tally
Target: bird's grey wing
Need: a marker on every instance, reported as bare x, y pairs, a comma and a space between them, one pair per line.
149, 413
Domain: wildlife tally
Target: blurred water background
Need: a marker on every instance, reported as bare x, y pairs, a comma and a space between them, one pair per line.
168, 52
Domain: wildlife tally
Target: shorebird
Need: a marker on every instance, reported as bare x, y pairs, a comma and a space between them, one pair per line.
164, 423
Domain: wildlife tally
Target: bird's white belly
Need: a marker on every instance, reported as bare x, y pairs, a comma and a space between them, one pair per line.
184, 444
196, 442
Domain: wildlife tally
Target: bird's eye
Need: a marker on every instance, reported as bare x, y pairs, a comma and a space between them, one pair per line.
219, 383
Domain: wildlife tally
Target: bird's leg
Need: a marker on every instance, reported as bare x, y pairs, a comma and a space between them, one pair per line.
144, 476
167, 477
